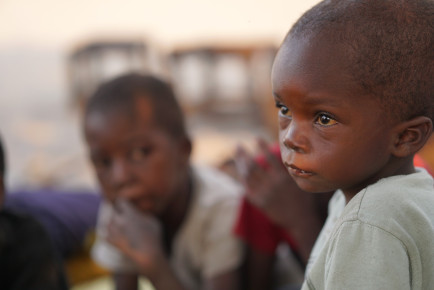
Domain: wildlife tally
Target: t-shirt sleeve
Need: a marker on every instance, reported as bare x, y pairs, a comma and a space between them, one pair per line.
104, 253
362, 256
222, 250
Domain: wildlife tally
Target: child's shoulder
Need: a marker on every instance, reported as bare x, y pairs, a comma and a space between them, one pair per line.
15, 222
214, 193
388, 223
210, 183
395, 204
400, 190
214, 206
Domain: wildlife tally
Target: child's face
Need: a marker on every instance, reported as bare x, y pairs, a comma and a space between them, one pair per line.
331, 136
135, 159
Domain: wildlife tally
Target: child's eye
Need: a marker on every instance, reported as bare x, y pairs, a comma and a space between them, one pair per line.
100, 162
325, 120
283, 110
139, 153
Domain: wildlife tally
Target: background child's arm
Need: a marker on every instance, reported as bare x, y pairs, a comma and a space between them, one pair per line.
139, 238
259, 269
125, 281
228, 281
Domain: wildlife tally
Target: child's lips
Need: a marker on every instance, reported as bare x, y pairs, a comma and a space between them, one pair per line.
295, 171
143, 201
146, 205
135, 197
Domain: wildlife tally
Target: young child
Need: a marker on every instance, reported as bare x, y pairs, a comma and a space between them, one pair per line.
275, 212
28, 259
353, 84
162, 218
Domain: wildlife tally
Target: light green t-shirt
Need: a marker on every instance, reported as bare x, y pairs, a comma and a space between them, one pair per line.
384, 239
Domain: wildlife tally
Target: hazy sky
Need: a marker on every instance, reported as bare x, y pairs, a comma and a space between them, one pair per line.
37, 35
61, 23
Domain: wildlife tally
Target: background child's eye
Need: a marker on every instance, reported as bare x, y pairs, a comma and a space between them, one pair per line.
139, 153
325, 120
100, 162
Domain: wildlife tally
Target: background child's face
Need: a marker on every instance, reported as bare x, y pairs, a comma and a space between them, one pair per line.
135, 159
330, 135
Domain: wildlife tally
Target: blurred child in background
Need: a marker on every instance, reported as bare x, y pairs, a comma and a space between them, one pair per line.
161, 218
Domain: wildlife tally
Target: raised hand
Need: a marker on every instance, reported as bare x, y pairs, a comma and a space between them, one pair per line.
137, 235
270, 188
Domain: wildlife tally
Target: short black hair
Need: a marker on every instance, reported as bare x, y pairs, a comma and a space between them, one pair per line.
389, 45
121, 92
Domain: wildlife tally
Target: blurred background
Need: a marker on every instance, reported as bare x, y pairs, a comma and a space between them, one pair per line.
53, 53
217, 54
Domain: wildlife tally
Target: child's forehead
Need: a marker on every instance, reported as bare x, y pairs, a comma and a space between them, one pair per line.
138, 113
119, 128
129, 108
143, 107
315, 64
315, 49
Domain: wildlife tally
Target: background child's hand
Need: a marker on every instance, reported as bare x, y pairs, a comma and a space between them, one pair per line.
137, 235
271, 188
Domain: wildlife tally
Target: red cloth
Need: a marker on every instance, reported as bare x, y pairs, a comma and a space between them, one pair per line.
419, 162
256, 229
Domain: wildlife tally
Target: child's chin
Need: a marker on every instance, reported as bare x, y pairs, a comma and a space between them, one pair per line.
147, 207
313, 188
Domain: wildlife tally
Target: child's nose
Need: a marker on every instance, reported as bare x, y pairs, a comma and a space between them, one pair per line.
294, 137
120, 172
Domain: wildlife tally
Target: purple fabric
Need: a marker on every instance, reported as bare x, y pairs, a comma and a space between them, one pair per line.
67, 216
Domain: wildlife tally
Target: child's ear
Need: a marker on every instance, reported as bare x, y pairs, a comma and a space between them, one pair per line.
412, 136
188, 147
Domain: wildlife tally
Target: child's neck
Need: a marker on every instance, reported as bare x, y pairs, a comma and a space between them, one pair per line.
176, 212
397, 166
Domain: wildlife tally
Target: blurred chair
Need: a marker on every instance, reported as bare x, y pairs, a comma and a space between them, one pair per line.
223, 80
96, 61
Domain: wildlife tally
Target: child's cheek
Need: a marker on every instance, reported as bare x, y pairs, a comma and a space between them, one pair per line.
283, 122
106, 190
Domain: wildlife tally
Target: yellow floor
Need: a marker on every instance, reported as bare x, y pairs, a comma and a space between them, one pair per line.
105, 283
84, 274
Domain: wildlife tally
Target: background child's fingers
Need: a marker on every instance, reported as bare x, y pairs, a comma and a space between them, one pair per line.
241, 162
115, 234
272, 161
125, 207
